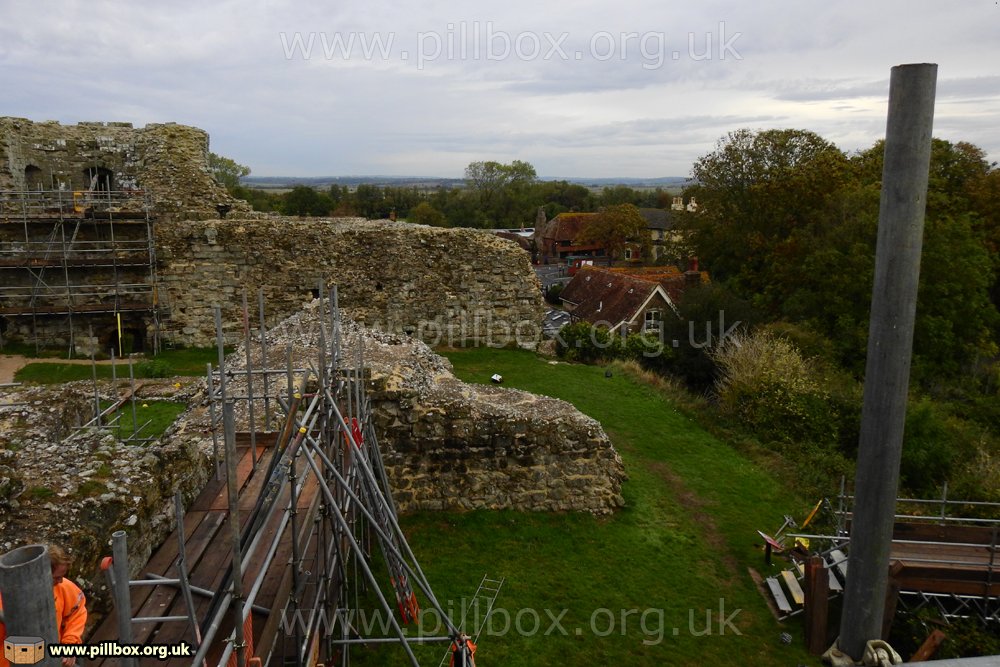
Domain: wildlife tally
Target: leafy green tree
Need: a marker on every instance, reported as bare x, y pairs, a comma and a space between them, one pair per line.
226, 171
560, 196
829, 284
303, 200
260, 200
425, 214
502, 190
754, 190
615, 226
620, 194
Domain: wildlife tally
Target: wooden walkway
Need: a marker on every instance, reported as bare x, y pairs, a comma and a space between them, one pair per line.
208, 555
960, 560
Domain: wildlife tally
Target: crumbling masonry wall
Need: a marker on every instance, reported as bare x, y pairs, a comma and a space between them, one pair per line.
167, 160
449, 445
446, 444
441, 285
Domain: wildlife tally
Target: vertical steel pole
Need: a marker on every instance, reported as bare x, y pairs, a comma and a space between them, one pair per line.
123, 596
29, 608
93, 373
221, 345
232, 485
890, 343
290, 374
182, 569
131, 384
263, 359
249, 363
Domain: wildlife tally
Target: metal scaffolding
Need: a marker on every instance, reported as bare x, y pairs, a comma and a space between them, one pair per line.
948, 547
77, 255
324, 503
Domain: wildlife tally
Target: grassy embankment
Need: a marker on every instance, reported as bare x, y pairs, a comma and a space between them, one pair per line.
670, 560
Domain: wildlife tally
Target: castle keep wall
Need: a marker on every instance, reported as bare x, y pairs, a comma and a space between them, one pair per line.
167, 160
438, 284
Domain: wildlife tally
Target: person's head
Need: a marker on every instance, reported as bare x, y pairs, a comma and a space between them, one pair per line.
60, 562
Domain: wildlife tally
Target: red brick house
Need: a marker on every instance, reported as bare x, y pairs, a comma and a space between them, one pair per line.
557, 238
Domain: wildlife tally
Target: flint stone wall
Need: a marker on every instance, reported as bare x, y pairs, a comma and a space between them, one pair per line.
440, 284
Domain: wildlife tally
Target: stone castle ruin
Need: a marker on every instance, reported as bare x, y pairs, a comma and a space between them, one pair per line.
165, 161
447, 445
106, 228
111, 232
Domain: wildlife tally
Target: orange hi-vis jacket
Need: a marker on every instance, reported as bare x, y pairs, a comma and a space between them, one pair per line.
71, 615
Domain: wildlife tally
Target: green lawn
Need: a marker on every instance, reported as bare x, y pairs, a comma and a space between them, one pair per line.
187, 361
159, 414
678, 551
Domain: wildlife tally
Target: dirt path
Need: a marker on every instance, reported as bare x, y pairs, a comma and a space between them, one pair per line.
11, 363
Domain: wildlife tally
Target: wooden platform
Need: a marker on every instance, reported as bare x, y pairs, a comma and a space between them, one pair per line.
130, 307
928, 557
208, 553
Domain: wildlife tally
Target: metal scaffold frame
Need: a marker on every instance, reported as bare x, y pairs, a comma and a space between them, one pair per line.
945, 514
325, 449
81, 236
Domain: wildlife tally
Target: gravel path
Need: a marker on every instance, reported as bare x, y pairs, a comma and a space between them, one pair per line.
9, 364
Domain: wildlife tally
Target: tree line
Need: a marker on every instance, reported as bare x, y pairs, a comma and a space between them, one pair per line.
495, 196
788, 222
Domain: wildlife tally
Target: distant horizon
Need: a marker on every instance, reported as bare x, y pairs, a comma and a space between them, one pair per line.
403, 177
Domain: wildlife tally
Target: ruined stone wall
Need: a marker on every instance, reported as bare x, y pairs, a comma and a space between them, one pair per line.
449, 445
76, 489
167, 160
465, 447
439, 284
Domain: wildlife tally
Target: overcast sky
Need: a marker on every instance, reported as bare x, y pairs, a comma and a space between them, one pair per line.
578, 89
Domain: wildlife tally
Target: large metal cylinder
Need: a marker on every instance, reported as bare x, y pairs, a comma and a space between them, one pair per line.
28, 603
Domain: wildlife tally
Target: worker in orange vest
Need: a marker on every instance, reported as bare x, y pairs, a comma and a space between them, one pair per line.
71, 605
463, 653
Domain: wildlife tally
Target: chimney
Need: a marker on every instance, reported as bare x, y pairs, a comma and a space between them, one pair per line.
692, 277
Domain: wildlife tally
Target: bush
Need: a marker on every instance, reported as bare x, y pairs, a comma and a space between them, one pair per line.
584, 342
766, 384
581, 341
703, 310
552, 294
809, 343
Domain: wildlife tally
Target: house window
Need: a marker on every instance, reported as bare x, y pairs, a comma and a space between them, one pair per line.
628, 253
653, 320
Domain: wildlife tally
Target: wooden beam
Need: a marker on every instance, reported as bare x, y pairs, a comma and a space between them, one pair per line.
817, 605
929, 647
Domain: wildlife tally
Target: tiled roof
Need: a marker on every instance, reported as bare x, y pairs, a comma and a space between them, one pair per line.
566, 226
673, 280
657, 218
